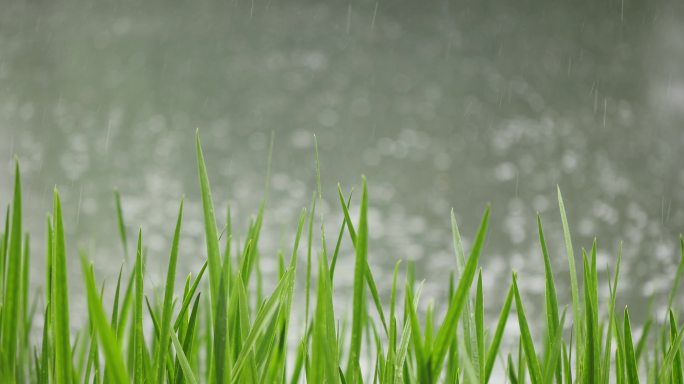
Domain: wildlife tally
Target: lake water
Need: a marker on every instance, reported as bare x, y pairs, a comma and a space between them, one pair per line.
439, 103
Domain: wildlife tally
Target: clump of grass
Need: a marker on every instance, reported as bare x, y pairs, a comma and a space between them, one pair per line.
221, 328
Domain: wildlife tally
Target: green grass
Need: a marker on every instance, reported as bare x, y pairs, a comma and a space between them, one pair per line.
221, 327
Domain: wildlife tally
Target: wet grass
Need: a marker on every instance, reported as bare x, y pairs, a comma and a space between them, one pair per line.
222, 328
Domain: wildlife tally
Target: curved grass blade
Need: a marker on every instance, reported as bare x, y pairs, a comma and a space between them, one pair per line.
112, 352
188, 297
183, 360
189, 336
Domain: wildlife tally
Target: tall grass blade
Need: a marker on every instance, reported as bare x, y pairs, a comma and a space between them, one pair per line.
210, 232
168, 300
447, 330
359, 306
631, 362
60, 299
527, 342
113, 356
574, 287
493, 349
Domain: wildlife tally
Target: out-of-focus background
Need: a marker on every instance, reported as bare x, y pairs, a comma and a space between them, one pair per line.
440, 103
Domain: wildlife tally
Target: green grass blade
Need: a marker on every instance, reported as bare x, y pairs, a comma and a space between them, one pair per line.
325, 352
677, 376
138, 338
359, 306
498, 333
189, 337
447, 330
574, 287
187, 298
554, 352
168, 300
210, 232
468, 317
368, 274
11, 302
333, 262
266, 310
184, 363
121, 223
678, 274
220, 334
550, 293
60, 299
479, 328
110, 347
631, 362
592, 354
527, 342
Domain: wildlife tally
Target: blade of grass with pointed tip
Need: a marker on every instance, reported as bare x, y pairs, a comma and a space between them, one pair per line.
60, 299
550, 293
526, 337
121, 223
574, 287
189, 336
631, 363
591, 368
11, 302
187, 298
468, 316
368, 274
266, 310
358, 306
670, 355
168, 300
447, 330
333, 263
213, 253
324, 350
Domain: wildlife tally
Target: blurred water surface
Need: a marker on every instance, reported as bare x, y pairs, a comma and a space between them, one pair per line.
440, 103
